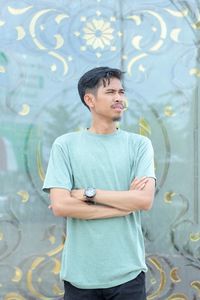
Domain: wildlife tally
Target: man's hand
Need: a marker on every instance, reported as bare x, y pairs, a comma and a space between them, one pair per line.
139, 184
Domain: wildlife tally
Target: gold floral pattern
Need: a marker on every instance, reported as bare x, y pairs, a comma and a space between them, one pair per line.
98, 34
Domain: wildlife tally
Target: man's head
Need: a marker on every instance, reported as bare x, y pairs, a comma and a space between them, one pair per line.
101, 90
92, 79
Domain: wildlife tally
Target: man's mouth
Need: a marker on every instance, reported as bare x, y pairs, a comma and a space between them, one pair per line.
118, 106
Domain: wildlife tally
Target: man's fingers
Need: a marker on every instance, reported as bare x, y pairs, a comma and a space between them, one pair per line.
139, 184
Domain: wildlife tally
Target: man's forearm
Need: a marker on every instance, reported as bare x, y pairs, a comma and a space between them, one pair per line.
74, 208
131, 200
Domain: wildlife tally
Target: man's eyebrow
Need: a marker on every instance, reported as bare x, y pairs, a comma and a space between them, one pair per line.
113, 90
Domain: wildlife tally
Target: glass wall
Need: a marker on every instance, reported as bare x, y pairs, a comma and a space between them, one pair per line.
45, 46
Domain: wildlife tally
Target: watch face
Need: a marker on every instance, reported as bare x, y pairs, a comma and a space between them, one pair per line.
90, 192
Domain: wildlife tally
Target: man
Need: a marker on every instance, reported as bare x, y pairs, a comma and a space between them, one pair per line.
100, 179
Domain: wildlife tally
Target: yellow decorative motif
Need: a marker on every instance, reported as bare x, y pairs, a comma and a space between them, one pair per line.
53, 68
178, 14
76, 33
56, 269
126, 104
33, 24
20, 32
83, 19
13, 296
83, 48
59, 41
136, 42
162, 284
98, 13
2, 23
57, 291
61, 59
177, 297
174, 275
98, 55
168, 197
141, 68
24, 195
195, 237
133, 61
98, 34
56, 250
175, 34
136, 19
113, 48
196, 285
1, 236
144, 127
18, 275
112, 19
163, 33
196, 25
2, 69
194, 72
31, 288
168, 111
52, 239
19, 11
39, 163
157, 46
25, 110
61, 17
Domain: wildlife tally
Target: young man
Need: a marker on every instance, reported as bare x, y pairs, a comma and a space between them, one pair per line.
100, 179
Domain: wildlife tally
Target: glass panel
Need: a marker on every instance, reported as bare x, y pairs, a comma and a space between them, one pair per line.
44, 48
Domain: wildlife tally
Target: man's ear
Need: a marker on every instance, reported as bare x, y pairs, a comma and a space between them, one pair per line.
89, 100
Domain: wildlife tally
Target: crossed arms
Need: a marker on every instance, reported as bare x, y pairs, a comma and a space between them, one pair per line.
109, 204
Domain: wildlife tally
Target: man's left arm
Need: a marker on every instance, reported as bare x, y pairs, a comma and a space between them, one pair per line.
131, 200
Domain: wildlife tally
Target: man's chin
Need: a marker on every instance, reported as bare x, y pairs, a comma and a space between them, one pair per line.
116, 119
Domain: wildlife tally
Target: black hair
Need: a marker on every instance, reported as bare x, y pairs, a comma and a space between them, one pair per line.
92, 79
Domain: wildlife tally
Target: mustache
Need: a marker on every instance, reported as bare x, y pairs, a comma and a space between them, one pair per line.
124, 104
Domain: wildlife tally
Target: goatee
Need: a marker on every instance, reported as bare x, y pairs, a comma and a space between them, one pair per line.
116, 119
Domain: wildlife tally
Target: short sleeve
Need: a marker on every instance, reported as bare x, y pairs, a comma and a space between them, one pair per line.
144, 161
59, 171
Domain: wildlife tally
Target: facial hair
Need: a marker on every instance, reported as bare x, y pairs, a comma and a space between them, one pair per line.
116, 119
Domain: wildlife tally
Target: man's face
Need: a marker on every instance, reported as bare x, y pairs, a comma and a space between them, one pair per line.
109, 100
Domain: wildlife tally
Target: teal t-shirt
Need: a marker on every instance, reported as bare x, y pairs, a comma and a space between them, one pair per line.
101, 253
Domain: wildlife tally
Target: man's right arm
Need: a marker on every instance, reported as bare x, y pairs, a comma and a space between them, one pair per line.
63, 205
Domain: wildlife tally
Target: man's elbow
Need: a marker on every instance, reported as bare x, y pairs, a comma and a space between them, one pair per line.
56, 207
57, 211
148, 203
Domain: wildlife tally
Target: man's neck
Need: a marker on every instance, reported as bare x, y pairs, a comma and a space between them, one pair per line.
103, 128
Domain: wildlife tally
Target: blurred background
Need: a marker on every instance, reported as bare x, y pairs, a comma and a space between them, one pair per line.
45, 46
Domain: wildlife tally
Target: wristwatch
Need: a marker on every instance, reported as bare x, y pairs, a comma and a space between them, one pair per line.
89, 194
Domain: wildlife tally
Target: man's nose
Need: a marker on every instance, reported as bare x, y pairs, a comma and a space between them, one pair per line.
118, 97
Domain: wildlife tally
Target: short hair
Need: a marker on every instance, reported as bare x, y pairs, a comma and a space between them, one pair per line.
92, 79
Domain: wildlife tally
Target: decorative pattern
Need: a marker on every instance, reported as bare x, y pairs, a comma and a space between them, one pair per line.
45, 47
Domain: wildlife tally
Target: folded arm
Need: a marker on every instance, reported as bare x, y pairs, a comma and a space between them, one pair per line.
131, 200
64, 205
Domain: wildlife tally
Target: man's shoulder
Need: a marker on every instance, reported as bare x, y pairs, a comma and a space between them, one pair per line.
67, 137
135, 137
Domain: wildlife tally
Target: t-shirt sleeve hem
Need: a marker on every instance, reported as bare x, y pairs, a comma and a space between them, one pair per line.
46, 189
